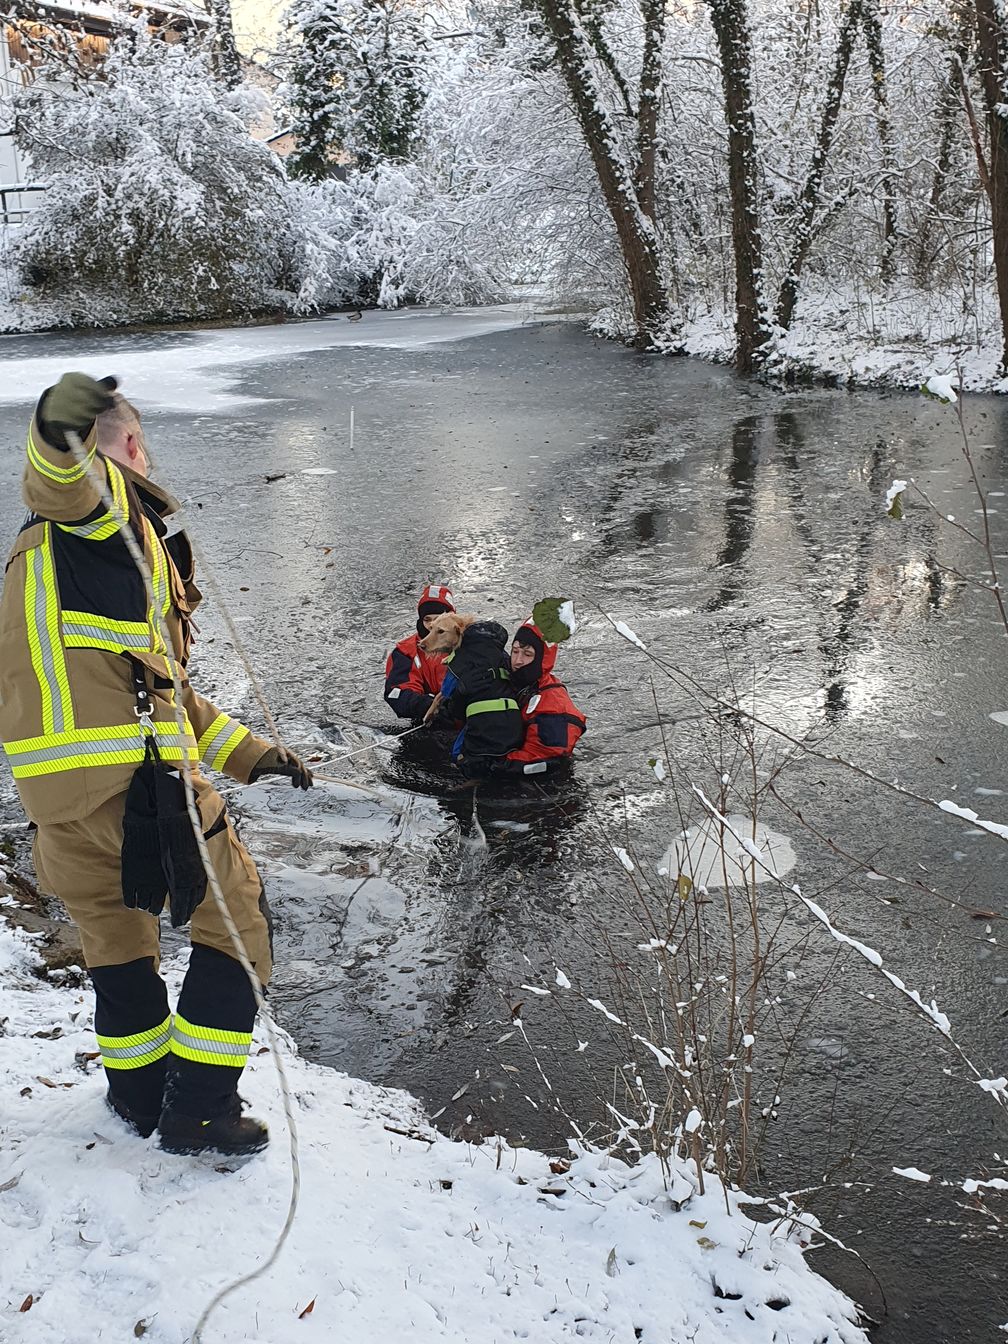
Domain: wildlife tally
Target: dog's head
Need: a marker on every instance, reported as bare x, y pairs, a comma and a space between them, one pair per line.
445, 634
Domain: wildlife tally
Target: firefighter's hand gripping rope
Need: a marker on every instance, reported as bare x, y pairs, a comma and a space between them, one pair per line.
136, 554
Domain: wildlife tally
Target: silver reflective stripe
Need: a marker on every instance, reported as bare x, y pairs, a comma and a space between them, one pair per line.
89, 529
128, 641
132, 1051
70, 750
221, 740
226, 1049
45, 643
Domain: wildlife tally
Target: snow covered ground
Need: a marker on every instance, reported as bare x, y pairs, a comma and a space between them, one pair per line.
859, 338
401, 1234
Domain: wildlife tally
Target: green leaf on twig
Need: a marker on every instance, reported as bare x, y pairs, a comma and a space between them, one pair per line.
554, 616
683, 886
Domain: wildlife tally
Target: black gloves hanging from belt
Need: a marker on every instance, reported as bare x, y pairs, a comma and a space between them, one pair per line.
160, 856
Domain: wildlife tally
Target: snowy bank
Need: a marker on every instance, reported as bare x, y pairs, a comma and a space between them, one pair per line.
859, 338
401, 1233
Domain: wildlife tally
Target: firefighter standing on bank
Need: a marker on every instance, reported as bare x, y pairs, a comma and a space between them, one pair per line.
86, 700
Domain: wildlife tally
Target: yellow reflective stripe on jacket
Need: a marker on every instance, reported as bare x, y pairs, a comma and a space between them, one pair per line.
120, 744
88, 630
209, 1045
489, 706
107, 525
61, 475
220, 740
42, 627
159, 585
133, 1052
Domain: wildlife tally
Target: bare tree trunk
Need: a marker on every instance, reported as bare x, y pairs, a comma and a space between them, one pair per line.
809, 200
227, 62
627, 187
729, 20
946, 116
650, 101
992, 41
876, 62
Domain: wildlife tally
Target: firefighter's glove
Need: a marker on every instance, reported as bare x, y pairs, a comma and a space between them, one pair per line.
144, 886
74, 404
275, 763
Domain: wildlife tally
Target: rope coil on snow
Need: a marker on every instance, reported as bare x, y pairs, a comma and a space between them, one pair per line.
137, 556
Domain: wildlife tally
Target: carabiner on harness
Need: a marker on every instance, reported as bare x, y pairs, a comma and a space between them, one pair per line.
143, 707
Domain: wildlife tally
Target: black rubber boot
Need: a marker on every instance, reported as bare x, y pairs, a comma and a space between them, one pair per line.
144, 1125
231, 1132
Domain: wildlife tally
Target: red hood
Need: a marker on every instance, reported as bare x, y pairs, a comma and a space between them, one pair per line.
437, 592
549, 650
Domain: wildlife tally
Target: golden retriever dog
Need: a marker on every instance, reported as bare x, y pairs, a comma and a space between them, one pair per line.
444, 636
445, 633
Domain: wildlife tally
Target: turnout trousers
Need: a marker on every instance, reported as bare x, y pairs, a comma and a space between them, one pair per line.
191, 1059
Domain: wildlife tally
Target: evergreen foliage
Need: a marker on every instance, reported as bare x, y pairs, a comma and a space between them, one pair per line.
358, 82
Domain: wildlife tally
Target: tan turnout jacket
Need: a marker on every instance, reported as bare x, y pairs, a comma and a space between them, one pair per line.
72, 606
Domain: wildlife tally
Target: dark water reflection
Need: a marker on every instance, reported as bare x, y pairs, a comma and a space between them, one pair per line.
743, 536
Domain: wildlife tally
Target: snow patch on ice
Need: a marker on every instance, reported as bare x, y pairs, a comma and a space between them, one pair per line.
703, 855
623, 629
197, 372
912, 1173
624, 858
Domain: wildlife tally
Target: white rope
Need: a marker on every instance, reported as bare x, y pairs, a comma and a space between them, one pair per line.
138, 558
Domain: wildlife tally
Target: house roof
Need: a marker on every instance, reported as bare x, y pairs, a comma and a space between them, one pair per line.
102, 17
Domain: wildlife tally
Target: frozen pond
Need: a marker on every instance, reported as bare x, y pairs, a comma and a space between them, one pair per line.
727, 526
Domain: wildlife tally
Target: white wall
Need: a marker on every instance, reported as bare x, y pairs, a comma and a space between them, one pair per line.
14, 166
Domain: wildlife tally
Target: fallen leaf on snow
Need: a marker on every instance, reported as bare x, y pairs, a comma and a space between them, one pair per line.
26, 1305
307, 1311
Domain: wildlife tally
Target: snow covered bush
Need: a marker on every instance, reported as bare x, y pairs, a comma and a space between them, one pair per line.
385, 237
160, 203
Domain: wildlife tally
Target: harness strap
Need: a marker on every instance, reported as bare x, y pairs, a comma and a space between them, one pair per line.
144, 707
491, 706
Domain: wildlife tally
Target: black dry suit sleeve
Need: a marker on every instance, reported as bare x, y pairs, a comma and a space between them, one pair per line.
143, 881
